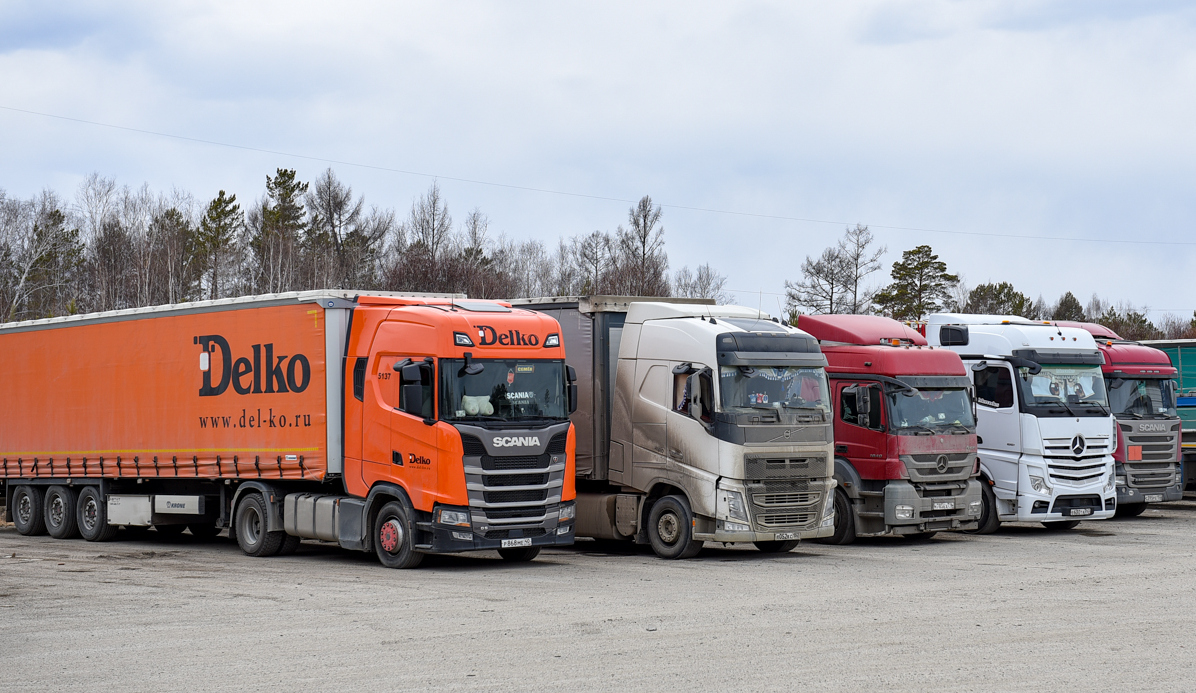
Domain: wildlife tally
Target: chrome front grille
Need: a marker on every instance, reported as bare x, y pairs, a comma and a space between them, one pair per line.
1069, 469
933, 468
786, 492
513, 492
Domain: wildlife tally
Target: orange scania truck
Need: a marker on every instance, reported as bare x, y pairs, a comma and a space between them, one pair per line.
398, 424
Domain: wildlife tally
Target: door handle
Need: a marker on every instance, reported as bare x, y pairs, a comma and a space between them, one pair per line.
676, 454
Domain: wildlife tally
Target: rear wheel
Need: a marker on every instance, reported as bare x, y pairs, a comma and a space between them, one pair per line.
92, 516
1060, 525
60, 512
394, 542
251, 525
844, 520
670, 528
1130, 510
988, 510
28, 510
777, 546
523, 555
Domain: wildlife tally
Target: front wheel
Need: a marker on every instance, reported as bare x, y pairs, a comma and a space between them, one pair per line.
1060, 525
844, 520
670, 528
393, 540
523, 555
989, 522
777, 546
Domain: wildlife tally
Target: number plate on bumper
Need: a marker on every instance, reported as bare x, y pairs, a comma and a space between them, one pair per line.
1074, 512
784, 536
944, 504
1153, 498
515, 543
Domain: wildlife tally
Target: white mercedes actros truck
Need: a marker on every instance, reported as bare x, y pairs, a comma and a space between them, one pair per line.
1045, 435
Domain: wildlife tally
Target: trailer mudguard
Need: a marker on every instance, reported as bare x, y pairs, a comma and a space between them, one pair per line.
274, 502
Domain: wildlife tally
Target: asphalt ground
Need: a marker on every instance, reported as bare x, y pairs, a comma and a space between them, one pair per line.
1108, 606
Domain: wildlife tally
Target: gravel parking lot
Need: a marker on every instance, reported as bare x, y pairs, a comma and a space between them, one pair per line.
1101, 607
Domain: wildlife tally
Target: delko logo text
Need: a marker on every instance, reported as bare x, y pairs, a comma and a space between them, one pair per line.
248, 374
489, 337
510, 442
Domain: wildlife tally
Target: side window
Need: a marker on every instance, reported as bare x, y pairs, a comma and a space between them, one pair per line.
706, 384
849, 409
425, 405
994, 387
684, 386
359, 378
681, 396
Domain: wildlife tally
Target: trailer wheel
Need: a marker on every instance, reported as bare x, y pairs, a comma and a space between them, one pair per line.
60, 512
1130, 510
290, 544
1060, 525
844, 520
989, 522
777, 546
204, 530
393, 538
251, 524
28, 510
523, 555
670, 528
92, 516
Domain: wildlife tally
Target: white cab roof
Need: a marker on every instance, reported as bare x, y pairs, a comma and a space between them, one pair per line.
1001, 335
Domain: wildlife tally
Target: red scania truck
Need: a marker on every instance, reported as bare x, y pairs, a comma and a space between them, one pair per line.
1148, 455
402, 425
905, 432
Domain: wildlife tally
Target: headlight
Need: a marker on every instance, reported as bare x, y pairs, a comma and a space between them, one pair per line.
828, 510
1039, 484
567, 512
1111, 482
730, 504
459, 518
904, 512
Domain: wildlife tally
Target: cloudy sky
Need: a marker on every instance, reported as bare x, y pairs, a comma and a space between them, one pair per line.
1049, 144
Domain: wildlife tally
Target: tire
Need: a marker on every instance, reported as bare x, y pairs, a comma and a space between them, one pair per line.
251, 525
523, 555
204, 530
1130, 510
844, 520
394, 538
60, 512
1061, 525
169, 530
989, 522
91, 515
28, 510
290, 544
919, 536
777, 546
670, 528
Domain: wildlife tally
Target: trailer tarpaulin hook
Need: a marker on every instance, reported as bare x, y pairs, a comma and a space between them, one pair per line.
236, 472
174, 459
195, 463
257, 466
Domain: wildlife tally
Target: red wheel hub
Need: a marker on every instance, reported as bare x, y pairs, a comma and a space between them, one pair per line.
389, 536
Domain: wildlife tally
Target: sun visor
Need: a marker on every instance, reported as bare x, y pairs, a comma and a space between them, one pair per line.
935, 382
768, 349
1085, 357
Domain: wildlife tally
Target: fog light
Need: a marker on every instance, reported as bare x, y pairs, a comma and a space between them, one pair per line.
904, 512
1121, 481
563, 530
463, 536
735, 526
974, 508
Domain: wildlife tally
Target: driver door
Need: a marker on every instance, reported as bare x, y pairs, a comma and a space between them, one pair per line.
998, 427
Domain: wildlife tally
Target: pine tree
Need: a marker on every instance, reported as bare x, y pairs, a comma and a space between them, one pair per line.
921, 285
217, 232
1068, 308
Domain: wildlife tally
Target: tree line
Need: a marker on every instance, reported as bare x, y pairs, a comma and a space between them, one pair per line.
836, 282
114, 247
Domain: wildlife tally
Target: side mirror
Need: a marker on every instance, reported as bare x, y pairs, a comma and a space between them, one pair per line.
572, 397
570, 374
695, 396
977, 367
409, 374
471, 368
413, 396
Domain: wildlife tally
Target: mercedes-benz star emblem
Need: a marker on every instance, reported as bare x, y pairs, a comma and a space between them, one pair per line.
1078, 445
942, 463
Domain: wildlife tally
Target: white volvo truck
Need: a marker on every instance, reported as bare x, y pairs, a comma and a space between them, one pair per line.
696, 423
1045, 435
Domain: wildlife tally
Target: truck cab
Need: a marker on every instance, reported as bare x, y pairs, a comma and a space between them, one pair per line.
1141, 386
699, 423
905, 430
1045, 434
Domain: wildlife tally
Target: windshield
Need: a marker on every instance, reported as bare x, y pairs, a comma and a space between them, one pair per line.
933, 409
505, 390
1142, 397
1064, 389
771, 387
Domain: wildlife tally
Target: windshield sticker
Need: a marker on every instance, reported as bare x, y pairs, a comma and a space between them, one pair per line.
521, 397
525, 368
510, 377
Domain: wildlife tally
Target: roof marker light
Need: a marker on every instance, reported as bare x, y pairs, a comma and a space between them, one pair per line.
462, 339
552, 340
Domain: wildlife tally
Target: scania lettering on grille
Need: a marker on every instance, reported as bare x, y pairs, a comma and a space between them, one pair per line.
1152, 427
515, 442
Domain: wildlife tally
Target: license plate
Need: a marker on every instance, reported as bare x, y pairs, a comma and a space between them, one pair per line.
515, 543
944, 505
1154, 498
782, 536
1079, 511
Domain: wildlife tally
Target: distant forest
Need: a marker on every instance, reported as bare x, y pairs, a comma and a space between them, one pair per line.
112, 247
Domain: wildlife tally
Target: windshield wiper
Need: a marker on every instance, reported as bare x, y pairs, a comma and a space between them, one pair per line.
918, 427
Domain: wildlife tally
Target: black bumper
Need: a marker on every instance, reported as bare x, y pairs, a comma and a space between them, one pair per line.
443, 540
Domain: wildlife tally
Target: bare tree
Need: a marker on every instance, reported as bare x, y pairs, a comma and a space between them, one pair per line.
334, 214
642, 265
823, 287
703, 283
858, 260
593, 255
